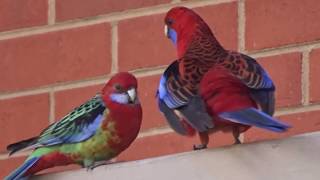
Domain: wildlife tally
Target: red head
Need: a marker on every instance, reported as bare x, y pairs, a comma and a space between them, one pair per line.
182, 24
121, 89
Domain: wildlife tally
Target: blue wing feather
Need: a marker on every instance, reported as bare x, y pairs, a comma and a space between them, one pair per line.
254, 117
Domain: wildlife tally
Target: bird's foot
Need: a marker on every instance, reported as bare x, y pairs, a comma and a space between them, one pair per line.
96, 164
199, 147
237, 141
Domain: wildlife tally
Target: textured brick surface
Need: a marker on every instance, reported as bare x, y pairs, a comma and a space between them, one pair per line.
146, 44
168, 144
8, 165
67, 100
18, 14
70, 9
152, 117
67, 55
300, 122
22, 118
271, 23
285, 71
222, 20
315, 75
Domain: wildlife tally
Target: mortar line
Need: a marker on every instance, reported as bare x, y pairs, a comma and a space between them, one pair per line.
155, 131
115, 16
167, 129
305, 72
297, 47
51, 12
79, 84
4, 156
114, 47
52, 106
280, 112
241, 26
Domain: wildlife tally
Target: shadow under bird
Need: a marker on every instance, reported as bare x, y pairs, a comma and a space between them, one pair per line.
209, 88
91, 134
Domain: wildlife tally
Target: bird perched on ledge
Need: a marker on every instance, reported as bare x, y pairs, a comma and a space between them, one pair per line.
91, 134
209, 88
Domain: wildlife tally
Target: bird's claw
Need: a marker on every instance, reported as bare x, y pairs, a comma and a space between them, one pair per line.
96, 164
199, 147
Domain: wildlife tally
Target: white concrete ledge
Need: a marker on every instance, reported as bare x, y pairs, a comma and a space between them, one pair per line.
295, 158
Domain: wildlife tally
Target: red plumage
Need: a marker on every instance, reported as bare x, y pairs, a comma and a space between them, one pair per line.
212, 88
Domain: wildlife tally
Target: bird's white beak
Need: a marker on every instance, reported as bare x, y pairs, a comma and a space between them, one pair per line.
166, 30
132, 94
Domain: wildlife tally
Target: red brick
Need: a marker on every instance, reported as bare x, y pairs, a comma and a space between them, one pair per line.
285, 71
152, 117
22, 118
222, 20
18, 14
169, 143
54, 57
300, 122
146, 44
271, 23
314, 75
67, 100
8, 165
71, 9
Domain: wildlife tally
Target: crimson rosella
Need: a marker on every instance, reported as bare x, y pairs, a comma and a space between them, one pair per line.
91, 134
209, 88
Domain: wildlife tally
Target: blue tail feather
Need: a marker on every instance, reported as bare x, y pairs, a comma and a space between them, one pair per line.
20, 171
254, 117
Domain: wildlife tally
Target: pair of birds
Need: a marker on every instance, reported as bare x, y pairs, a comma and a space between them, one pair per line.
206, 89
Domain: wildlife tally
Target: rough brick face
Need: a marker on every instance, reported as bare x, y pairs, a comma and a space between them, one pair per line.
146, 44
8, 165
315, 75
18, 14
71, 9
54, 57
67, 100
222, 19
168, 144
152, 117
285, 71
22, 117
142, 43
300, 122
272, 23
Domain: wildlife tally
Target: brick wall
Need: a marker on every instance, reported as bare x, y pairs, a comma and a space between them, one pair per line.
55, 54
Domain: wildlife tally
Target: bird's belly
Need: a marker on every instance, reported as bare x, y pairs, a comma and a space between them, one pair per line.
96, 148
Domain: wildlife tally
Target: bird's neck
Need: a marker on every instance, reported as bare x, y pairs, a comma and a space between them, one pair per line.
200, 42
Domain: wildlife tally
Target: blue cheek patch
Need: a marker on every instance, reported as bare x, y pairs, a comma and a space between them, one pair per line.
172, 34
119, 98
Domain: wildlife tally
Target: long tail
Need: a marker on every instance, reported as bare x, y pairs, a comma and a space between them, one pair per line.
19, 173
254, 117
21, 145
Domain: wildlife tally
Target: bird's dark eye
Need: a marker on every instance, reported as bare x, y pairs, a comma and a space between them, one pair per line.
169, 22
117, 87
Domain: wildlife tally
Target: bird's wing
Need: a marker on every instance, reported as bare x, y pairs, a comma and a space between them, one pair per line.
77, 126
255, 77
176, 95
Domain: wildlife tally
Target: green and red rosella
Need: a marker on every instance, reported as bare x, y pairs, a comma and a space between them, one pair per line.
209, 88
91, 134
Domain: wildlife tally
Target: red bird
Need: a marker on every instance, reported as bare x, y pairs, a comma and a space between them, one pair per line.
90, 135
209, 88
